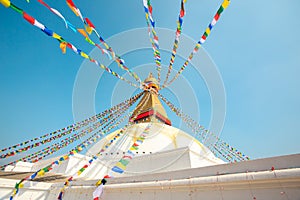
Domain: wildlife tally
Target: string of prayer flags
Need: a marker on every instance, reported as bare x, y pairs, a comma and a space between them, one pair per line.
118, 59
77, 125
176, 42
41, 172
123, 162
83, 168
63, 43
94, 127
125, 159
56, 12
72, 6
154, 41
73, 28
94, 157
68, 24
229, 153
231, 149
55, 137
37, 144
46, 151
90, 27
203, 38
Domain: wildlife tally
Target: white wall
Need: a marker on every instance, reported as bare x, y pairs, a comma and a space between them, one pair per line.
31, 190
233, 181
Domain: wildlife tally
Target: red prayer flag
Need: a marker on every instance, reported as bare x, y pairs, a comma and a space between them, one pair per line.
71, 3
89, 23
28, 18
150, 9
217, 16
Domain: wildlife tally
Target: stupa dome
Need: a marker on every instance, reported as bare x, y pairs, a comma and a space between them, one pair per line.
161, 138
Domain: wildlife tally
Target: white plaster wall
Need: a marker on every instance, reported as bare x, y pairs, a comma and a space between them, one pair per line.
19, 167
160, 138
243, 186
43, 163
31, 190
233, 181
159, 162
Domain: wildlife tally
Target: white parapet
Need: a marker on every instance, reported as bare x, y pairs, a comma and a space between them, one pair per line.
275, 185
31, 190
274, 178
19, 167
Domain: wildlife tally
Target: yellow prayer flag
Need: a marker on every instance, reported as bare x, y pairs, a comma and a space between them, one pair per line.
207, 30
121, 166
106, 46
99, 182
63, 47
82, 32
88, 29
73, 9
5, 3
41, 173
102, 66
225, 3
84, 55
56, 36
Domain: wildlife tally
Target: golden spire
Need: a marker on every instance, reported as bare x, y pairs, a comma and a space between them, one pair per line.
150, 108
151, 82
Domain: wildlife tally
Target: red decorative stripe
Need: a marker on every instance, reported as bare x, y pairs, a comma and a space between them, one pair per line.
157, 115
145, 114
166, 120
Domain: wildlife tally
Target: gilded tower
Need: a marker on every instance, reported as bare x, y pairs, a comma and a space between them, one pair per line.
150, 108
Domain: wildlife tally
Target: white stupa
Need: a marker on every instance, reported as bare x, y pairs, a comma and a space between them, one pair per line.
169, 164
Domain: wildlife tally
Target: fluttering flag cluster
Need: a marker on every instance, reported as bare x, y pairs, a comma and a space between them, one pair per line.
56, 12
83, 168
128, 155
154, 40
63, 44
73, 28
98, 126
78, 148
91, 140
212, 141
90, 27
203, 38
177, 37
123, 162
93, 125
41, 172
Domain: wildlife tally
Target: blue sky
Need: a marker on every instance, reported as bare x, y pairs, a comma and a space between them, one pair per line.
255, 47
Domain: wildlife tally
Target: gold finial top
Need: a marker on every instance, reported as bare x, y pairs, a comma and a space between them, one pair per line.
151, 82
